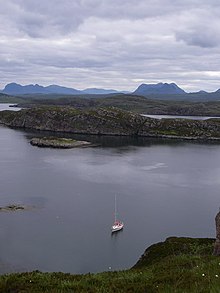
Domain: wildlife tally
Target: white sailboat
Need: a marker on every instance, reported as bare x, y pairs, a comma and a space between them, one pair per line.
118, 225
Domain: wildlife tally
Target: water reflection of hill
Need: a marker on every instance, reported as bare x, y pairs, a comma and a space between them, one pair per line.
118, 141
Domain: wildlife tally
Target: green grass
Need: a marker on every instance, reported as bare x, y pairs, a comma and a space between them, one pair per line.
176, 265
181, 273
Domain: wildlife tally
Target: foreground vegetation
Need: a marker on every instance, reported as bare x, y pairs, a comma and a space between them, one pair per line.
176, 265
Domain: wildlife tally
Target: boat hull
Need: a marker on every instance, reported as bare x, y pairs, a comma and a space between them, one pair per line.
116, 228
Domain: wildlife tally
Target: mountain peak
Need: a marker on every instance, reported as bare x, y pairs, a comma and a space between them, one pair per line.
16, 89
159, 88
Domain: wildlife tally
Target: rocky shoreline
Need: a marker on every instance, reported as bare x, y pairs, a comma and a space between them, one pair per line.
111, 121
56, 142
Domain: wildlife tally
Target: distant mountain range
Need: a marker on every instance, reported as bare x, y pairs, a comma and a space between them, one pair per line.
17, 89
159, 89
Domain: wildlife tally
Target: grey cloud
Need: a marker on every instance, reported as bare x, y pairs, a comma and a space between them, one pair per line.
202, 31
43, 18
200, 38
200, 27
32, 25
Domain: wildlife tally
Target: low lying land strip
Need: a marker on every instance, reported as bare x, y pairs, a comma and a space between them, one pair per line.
56, 142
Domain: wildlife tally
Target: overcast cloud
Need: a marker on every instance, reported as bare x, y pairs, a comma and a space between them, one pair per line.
111, 44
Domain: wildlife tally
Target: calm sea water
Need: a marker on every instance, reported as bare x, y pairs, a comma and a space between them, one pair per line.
180, 117
164, 188
7, 106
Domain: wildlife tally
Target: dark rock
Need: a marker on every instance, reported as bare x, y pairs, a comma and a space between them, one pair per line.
217, 241
13, 208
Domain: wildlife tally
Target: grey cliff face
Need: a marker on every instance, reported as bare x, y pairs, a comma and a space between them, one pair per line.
217, 241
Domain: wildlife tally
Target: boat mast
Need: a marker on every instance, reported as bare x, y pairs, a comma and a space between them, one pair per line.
115, 210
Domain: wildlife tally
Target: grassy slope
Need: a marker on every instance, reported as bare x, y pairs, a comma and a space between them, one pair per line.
176, 265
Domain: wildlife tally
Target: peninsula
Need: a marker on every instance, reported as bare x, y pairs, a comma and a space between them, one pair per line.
109, 121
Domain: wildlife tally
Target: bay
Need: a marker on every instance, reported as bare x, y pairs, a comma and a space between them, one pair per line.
164, 188
8, 106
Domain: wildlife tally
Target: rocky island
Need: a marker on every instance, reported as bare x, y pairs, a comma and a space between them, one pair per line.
111, 121
14, 208
57, 142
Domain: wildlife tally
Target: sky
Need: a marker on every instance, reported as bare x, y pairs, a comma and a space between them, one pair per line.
109, 44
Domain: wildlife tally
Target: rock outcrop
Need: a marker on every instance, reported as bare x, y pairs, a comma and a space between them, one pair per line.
111, 121
217, 241
66, 119
14, 208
